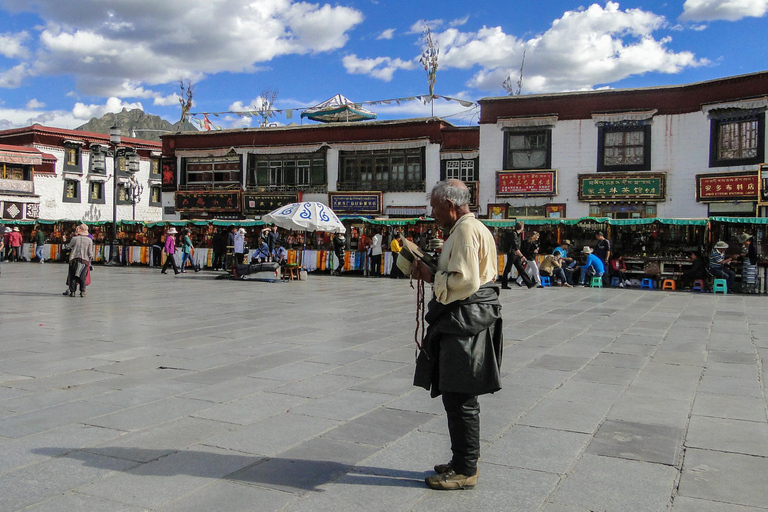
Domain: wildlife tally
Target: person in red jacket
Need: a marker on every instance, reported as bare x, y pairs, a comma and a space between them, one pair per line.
14, 239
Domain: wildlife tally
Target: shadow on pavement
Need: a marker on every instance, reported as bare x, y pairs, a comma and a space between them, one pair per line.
293, 475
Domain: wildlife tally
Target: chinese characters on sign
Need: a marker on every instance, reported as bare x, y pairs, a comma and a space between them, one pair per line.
361, 203
526, 183
208, 201
622, 187
727, 187
261, 204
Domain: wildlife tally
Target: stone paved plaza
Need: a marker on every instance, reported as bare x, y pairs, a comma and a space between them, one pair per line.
189, 393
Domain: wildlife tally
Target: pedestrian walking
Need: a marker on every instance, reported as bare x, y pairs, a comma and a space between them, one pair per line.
40, 244
80, 258
170, 251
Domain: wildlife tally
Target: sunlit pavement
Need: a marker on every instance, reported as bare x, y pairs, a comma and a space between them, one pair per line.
162, 392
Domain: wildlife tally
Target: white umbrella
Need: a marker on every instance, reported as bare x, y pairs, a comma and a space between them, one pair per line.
306, 216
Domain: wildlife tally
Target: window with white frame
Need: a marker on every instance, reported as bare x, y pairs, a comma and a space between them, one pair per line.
464, 170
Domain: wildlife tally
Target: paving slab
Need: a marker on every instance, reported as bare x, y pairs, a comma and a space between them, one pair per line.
724, 477
638, 441
136, 400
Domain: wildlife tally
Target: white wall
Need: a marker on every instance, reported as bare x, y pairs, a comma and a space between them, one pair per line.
679, 147
51, 191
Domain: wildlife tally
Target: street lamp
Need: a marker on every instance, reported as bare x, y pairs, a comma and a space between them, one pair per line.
134, 190
114, 139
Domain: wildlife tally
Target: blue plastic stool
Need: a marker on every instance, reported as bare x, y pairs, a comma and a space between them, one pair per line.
646, 283
545, 281
720, 285
596, 282
615, 282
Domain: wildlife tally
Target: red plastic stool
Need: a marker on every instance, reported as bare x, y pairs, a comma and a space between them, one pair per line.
698, 286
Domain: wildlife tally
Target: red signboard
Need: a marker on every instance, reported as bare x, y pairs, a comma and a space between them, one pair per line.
526, 183
727, 187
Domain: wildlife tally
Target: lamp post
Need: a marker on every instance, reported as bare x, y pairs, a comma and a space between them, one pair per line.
135, 189
114, 139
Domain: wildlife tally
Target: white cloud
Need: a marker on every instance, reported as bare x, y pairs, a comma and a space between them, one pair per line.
387, 34
731, 10
12, 78
580, 50
16, 118
86, 112
167, 101
381, 67
418, 27
12, 45
108, 45
459, 21
33, 104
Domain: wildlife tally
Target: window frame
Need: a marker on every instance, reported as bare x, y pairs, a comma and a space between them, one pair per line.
77, 198
444, 164
288, 172
603, 129
159, 190
212, 171
392, 170
98, 200
72, 149
717, 121
537, 131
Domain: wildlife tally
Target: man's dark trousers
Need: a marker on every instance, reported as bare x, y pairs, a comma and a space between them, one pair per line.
463, 412
517, 261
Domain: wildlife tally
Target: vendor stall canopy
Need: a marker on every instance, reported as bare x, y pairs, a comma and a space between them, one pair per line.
599, 220
338, 110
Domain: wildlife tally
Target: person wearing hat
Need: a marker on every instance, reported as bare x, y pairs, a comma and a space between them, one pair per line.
240, 246
170, 251
14, 239
718, 262
569, 264
594, 267
80, 257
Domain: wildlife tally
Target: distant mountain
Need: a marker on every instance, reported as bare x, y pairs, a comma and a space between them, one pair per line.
135, 123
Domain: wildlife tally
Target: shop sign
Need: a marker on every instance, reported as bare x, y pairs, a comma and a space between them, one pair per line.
208, 201
764, 184
526, 183
622, 187
355, 202
261, 204
727, 187
33, 210
169, 174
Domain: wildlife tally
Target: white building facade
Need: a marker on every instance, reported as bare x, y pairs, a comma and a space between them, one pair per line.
75, 178
687, 151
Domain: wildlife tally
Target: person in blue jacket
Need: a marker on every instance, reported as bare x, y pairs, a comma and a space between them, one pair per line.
594, 267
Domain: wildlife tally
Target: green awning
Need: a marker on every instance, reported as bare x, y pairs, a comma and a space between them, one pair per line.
382, 222
740, 220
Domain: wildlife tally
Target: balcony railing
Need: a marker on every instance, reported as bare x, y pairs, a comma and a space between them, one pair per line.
17, 186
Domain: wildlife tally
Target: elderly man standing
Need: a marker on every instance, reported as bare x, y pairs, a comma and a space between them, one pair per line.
461, 353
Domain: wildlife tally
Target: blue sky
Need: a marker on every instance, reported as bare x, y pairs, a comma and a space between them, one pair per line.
63, 62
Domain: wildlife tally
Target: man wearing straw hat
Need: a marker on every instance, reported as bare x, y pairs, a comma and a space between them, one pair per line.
718, 262
460, 356
594, 267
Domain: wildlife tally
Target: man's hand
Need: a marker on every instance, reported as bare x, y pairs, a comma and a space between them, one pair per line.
420, 272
